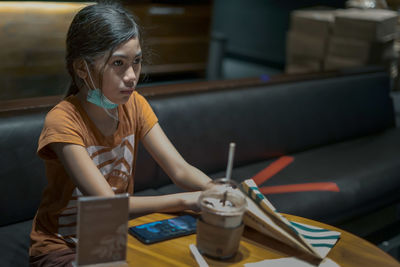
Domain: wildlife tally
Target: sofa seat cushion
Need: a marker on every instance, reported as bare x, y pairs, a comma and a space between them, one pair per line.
365, 170
14, 243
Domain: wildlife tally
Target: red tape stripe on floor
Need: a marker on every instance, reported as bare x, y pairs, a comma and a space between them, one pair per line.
278, 189
272, 169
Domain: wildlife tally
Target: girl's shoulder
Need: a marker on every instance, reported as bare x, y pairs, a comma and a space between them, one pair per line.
136, 102
69, 103
136, 98
67, 109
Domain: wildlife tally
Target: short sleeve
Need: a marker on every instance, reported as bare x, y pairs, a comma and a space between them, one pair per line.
62, 125
147, 117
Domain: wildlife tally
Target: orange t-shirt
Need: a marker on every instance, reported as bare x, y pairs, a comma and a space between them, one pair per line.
54, 225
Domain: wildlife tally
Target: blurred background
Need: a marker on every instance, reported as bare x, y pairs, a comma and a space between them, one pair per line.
185, 40
190, 40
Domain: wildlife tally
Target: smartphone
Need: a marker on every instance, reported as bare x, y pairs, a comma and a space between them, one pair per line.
149, 233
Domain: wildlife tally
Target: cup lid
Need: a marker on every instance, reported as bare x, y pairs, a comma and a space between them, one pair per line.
223, 197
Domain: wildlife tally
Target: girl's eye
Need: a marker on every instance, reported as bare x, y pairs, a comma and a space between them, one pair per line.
137, 60
118, 63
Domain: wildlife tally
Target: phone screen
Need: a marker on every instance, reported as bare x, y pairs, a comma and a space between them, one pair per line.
165, 229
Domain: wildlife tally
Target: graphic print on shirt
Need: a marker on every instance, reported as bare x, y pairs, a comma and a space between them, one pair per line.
67, 220
115, 164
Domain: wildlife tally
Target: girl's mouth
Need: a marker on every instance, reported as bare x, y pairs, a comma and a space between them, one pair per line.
127, 92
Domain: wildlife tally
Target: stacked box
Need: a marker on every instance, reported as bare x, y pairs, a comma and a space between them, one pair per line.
307, 39
366, 24
361, 37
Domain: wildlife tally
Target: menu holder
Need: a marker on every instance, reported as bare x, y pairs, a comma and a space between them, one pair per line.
102, 231
262, 216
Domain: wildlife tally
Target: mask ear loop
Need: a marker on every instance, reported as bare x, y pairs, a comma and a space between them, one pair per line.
90, 77
115, 117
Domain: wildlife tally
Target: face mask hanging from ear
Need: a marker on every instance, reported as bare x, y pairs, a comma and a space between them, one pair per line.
95, 96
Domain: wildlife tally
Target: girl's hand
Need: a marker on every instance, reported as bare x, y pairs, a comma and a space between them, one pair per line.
190, 200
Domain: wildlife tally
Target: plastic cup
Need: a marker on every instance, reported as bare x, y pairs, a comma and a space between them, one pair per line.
220, 227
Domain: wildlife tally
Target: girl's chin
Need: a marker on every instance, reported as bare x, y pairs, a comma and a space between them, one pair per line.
124, 99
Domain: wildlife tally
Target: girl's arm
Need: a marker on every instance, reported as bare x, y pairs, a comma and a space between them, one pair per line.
89, 180
183, 174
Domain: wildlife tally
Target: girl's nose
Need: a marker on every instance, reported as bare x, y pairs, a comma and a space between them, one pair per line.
130, 76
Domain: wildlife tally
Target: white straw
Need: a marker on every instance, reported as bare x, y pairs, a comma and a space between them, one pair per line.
230, 160
196, 254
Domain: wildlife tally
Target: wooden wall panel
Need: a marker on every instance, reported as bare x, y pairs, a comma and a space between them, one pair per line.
32, 42
32, 48
176, 34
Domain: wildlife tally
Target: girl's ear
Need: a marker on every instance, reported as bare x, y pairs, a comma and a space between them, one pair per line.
80, 68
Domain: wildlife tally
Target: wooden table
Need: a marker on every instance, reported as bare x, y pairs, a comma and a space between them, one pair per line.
350, 250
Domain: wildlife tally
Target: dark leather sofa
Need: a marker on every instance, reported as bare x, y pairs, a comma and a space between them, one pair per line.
337, 133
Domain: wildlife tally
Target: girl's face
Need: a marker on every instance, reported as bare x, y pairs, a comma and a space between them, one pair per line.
121, 71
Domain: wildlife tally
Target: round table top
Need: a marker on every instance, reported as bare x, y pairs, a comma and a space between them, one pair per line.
350, 250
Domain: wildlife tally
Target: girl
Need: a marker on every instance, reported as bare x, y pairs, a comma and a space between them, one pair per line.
89, 140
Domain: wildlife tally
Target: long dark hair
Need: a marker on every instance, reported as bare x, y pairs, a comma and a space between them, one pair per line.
96, 30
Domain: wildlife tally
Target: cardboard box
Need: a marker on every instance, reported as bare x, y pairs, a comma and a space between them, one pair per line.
303, 66
366, 52
366, 24
349, 48
305, 45
314, 22
336, 62
382, 52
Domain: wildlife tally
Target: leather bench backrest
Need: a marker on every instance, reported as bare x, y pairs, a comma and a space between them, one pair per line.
22, 175
272, 120
264, 122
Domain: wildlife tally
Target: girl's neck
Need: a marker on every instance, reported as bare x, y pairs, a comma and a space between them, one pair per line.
103, 121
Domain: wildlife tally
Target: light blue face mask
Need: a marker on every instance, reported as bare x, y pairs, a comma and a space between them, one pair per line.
95, 96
